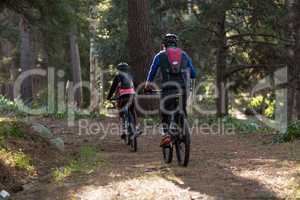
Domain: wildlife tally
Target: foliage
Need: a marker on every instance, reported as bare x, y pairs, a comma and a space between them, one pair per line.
263, 104
85, 162
13, 109
6, 104
17, 159
255, 34
292, 133
244, 127
241, 126
11, 129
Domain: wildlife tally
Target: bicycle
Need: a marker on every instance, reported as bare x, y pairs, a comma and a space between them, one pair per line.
178, 128
128, 128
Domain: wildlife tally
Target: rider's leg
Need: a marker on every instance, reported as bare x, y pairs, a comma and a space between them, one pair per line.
183, 104
133, 113
135, 118
165, 116
121, 105
165, 119
132, 109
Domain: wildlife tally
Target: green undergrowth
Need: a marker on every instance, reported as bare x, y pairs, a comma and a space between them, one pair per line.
10, 128
76, 115
14, 109
242, 126
16, 158
85, 162
8, 107
292, 133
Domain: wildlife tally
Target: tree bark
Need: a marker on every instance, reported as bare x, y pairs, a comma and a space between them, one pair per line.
293, 99
93, 62
297, 56
222, 94
140, 45
298, 74
9, 54
76, 67
25, 59
139, 38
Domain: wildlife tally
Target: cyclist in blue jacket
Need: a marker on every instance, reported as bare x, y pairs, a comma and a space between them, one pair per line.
176, 71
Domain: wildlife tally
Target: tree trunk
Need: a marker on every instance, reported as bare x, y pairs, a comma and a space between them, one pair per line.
222, 94
26, 90
76, 67
139, 38
293, 101
8, 53
140, 45
93, 62
297, 56
189, 6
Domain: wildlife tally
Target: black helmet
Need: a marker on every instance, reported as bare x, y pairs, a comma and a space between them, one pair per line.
123, 67
170, 39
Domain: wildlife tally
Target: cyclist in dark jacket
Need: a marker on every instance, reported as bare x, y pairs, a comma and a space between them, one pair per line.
176, 70
124, 88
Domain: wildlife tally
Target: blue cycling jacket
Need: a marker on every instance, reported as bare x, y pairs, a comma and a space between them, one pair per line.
156, 63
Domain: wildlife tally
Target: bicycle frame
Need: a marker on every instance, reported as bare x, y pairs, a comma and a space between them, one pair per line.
175, 122
127, 120
180, 137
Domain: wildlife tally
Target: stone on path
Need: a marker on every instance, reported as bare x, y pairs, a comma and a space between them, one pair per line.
58, 143
42, 131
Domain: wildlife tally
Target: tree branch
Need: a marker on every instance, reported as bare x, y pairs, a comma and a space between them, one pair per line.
238, 36
236, 68
249, 42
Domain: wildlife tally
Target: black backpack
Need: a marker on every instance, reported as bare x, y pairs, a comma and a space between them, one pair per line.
126, 80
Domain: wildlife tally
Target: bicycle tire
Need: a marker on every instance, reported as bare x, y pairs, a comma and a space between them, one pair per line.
167, 154
131, 136
133, 144
183, 142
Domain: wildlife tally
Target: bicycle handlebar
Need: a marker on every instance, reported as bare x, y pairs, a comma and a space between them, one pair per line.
160, 91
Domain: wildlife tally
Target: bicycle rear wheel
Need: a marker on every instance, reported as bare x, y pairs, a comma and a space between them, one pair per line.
133, 143
182, 145
132, 138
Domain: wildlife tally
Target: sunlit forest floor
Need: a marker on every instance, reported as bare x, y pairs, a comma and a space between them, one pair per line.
221, 167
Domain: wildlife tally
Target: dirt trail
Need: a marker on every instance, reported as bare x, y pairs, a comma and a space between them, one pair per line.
221, 167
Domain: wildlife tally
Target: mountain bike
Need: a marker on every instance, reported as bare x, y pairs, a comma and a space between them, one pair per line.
128, 128
178, 128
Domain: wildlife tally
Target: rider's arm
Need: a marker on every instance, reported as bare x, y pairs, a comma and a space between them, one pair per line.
113, 87
190, 66
153, 68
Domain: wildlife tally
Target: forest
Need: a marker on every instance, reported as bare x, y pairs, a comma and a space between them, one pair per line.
58, 60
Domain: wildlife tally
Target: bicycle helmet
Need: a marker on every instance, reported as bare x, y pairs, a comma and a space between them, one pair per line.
170, 39
123, 67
